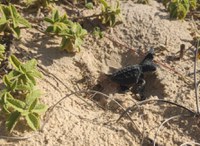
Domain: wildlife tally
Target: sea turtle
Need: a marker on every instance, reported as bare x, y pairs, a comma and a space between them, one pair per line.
134, 74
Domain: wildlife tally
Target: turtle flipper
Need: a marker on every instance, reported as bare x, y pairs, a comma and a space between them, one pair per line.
140, 88
123, 88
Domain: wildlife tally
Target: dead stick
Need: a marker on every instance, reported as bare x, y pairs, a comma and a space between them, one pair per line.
195, 78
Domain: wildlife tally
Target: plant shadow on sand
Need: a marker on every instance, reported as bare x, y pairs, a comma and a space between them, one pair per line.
46, 49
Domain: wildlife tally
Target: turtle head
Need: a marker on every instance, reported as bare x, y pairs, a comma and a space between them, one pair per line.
148, 67
147, 64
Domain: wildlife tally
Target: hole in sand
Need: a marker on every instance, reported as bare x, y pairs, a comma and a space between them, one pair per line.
153, 85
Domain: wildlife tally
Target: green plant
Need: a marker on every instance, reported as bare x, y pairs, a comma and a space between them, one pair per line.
30, 109
109, 14
2, 51
97, 32
143, 1
19, 99
179, 8
72, 33
23, 74
72, 38
193, 4
39, 3
11, 20
57, 23
89, 5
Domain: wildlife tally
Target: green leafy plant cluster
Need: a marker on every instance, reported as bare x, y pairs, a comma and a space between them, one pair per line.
110, 14
178, 9
71, 32
11, 20
19, 99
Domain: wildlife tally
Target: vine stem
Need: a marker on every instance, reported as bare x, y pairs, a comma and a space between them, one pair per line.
195, 78
75, 93
159, 128
154, 100
19, 137
190, 143
167, 120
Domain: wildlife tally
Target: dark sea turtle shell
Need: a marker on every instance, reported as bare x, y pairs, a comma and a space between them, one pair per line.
132, 74
127, 75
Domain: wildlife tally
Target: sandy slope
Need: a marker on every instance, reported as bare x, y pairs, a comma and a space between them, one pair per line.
78, 123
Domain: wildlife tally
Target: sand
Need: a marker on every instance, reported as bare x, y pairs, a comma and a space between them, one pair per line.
79, 121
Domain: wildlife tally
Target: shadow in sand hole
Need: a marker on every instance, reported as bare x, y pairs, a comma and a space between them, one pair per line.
153, 85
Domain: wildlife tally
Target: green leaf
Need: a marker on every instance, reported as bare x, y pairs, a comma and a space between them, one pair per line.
6, 81
12, 120
35, 73
104, 3
32, 96
30, 79
39, 108
23, 87
4, 95
66, 44
16, 104
193, 4
55, 15
2, 51
32, 106
11, 86
13, 13
50, 29
49, 20
97, 32
5, 11
24, 22
3, 21
89, 5
16, 31
13, 74
29, 65
15, 62
32, 121
2, 48
78, 43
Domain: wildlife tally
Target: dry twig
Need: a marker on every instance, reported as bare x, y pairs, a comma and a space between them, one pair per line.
190, 143
154, 100
195, 78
